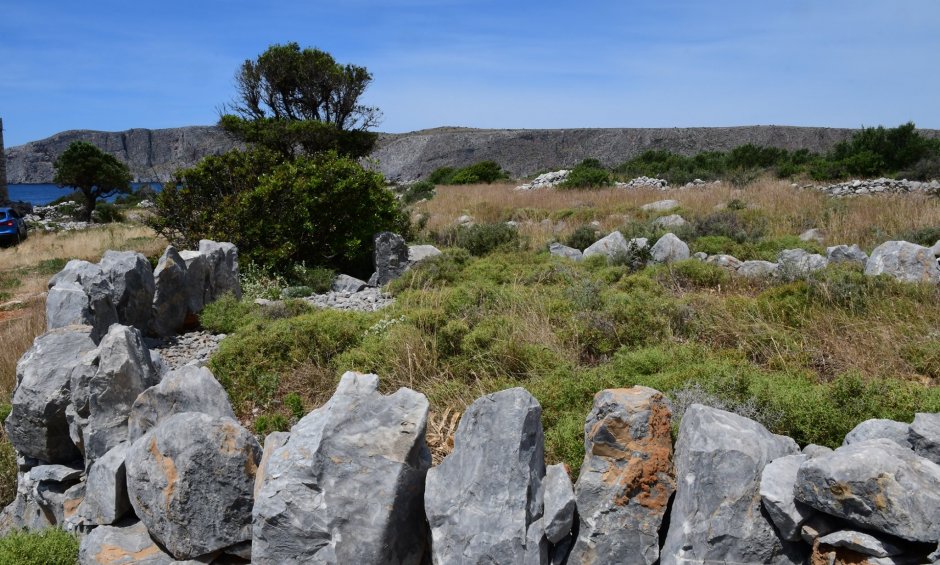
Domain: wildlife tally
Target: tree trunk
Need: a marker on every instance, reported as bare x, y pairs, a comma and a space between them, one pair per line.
90, 201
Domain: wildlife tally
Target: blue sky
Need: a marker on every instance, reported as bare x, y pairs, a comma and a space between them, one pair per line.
112, 65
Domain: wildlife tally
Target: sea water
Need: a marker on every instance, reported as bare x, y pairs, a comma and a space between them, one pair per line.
40, 194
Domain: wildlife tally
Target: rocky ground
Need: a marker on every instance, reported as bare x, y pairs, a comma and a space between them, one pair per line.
193, 347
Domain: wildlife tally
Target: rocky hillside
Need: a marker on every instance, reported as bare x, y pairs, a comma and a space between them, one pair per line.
155, 154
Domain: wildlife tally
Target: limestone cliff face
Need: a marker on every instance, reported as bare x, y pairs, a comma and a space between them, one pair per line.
153, 155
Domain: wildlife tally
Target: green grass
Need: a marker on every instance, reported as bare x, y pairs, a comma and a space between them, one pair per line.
47, 547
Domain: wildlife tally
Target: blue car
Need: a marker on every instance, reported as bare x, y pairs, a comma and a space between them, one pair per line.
12, 227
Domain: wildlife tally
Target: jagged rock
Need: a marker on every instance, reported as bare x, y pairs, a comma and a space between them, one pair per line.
105, 500
103, 402
610, 246
716, 516
925, 436
348, 484
65, 309
814, 234
860, 542
627, 477
346, 283
222, 262
37, 425
483, 498
187, 389
817, 526
190, 481
50, 484
799, 263
660, 206
846, 254
273, 442
898, 432
670, 221
197, 280
757, 269
390, 258
813, 450
877, 485
170, 299
418, 253
724, 261
560, 250
560, 503
122, 545
669, 249
132, 286
776, 492
904, 261
700, 255
55, 473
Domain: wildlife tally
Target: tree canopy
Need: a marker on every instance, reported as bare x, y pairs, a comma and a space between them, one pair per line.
92, 171
291, 99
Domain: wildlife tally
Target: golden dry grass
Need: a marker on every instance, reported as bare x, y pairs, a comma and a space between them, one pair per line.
865, 220
25, 320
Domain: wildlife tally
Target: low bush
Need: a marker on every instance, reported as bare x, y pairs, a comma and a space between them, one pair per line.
583, 237
107, 213
587, 174
481, 239
51, 546
421, 190
227, 314
482, 172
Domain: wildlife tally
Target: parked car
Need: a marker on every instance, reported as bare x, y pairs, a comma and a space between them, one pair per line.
12, 227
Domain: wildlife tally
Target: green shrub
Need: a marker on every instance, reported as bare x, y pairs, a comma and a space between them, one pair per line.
296, 405
876, 152
441, 175
692, 273
741, 226
227, 314
8, 467
583, 237
587, 174
107, 213
480, 239
445, 268
51, 546
421, 190
319, 279
269, 423
927, 236
482, 172
297, 292
258, 281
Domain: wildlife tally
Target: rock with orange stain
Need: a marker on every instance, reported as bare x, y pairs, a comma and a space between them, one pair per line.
190, 480
121, 545
877, 485
717, 515
347, 486
627, 477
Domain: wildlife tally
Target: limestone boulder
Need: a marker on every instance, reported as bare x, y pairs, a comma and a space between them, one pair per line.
390, 258
669, 249
187, 389
877, 485
627, 477
776, 492
197, 280
37, 425
190, 481
898, 432
418, 253
724, 261
560, 503
660, 206
170, 298
671, 221
716, 516
126, 544
609, 246
346, 283
50, 489
925, 436
347, 485
105, 499
132, 286
907, 262
861, 542
799, 263
814, 234
222, 264
484, 501
559, 250
757, 269
66, 308
846, 254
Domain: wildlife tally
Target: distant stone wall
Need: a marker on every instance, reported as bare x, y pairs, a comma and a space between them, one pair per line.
4, 195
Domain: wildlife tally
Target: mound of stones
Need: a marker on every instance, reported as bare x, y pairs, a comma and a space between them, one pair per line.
55, 217
881, 186
546, 180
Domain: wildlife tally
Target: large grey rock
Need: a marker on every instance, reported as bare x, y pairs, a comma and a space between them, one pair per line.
559, 250
103, 402
50, 486
814, 234
716, 516
799, 263
348, 484
898, 432
560, 503
127, 544
904, 261
609, 246
390, 258
668, 249
132, 286
846, 254
660, 206
346, 283
627, 477
861, 542
483, 498
97, 310
925, 436
187, 389
106, 500
724, 261
877, 485
670, 221
37, 425
190, 481
418, 253
813, 450
222, 263
197, 280
776, 492
757, 269
273, 442
170, 299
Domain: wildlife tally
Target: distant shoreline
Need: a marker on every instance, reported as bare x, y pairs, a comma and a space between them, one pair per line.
40, 194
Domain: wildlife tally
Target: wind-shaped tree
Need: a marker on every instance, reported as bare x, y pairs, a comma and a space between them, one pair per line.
92, 171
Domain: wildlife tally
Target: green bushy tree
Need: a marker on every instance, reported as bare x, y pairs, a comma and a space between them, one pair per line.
93, 172
589, 173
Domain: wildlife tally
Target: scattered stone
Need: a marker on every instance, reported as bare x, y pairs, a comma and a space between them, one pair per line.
904, 261
846, 254
560, 250
724, 261
560, 503
925, 436
121, 545
627, 477
880, 186
190, 481
877, 485
701, 256
418, 253
776, 492
105, 500
367, 300
192, 348
390, 258
546, 180
483, 498
609, 246
757, 269
898, 432
669, 249
670, 222
799, 263
861, 542
645, 182
170, 299
132, 286
660, 206
187, 389
814, 234
348, 284
348, 484
716, 516
37, 425
222, 262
